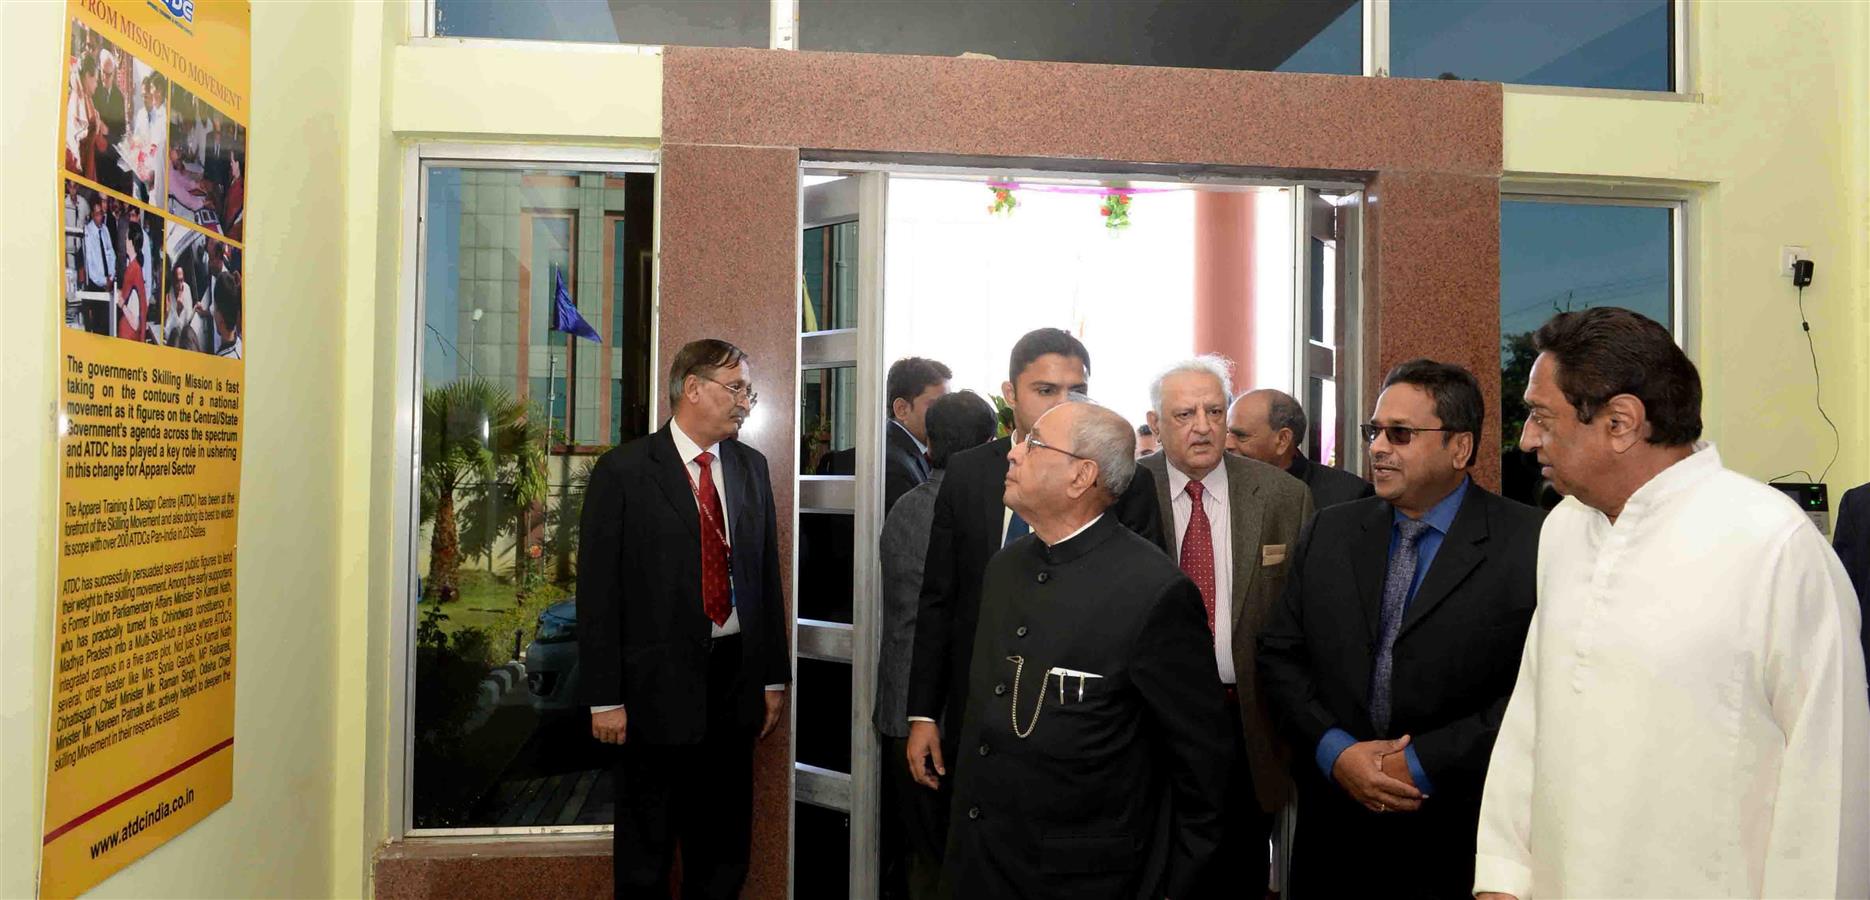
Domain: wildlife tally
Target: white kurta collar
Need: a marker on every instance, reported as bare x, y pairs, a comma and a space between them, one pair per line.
1670, 483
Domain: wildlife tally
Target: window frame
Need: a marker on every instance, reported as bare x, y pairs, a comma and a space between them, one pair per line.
417, 160
783, 25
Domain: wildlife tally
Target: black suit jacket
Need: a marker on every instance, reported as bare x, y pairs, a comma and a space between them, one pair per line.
1115, 789
965, 534
1330, 486
904, 466
642, 636
1851, 539
1456, 659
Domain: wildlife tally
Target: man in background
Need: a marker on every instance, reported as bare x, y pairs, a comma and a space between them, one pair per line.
915, 821
1233, 520
1146, 442
1268, 425
913, 385
1690, 717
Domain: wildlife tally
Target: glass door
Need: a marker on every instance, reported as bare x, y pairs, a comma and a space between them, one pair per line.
1328, 223
836, 576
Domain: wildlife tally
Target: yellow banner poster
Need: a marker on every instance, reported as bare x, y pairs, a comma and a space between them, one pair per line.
151, 185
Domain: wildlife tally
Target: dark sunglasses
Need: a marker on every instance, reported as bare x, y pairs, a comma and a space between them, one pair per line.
1398, 434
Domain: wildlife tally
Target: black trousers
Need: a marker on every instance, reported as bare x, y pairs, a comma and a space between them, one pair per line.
917, 820
699, 796
1240, 867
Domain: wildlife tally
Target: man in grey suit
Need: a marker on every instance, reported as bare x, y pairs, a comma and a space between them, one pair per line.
915, 821
1232, 520
1268, 425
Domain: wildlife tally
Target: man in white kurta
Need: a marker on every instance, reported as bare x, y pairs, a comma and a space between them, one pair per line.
1690, 716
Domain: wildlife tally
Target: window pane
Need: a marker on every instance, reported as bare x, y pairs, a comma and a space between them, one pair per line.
696, 23
830, 270
1556, 257
824, 723
825, 565
499, 736
828, 421
821, 852
1625, 44
1288, 35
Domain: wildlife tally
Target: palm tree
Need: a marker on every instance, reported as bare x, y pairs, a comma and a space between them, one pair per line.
476, 439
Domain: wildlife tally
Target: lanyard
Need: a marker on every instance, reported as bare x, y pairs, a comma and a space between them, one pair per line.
718, 530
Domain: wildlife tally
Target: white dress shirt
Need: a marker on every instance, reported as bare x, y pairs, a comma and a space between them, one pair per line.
687, 449
1689, 719
920, 447
1214, 502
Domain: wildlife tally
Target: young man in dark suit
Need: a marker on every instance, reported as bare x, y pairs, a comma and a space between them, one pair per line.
1390, 658
971, 524
1268, 425
1232, 521
913, 385
682, 628
1097, 740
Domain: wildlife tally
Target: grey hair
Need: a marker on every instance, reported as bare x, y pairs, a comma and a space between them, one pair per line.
1105, 438
1213, 364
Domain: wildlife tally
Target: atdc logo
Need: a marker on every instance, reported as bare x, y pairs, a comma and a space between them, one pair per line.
181, 9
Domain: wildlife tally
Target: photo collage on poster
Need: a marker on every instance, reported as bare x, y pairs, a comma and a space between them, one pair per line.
154, 205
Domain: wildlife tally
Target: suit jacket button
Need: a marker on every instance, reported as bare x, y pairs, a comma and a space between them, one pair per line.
973, 812
1020, 631
999, 690
1045, 577
983, 749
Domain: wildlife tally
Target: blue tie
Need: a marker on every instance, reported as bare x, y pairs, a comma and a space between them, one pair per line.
1395, 599
1015, 529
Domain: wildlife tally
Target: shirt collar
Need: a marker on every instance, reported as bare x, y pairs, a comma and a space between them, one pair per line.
1214, 482
1441, 516
921, 447
685, 446
1685, 472
1081, 529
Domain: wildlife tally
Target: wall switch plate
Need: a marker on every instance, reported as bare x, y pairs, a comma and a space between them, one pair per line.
1788, 255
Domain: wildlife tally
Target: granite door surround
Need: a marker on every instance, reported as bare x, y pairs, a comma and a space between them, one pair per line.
736, 124
1428, 152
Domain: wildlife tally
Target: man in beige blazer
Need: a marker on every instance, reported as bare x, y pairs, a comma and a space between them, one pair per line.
1230, 522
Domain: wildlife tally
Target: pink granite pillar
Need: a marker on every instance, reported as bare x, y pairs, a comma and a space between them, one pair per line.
1432, 285
1224, 278
729, 269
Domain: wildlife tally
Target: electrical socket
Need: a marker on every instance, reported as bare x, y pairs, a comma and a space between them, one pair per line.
1788, 255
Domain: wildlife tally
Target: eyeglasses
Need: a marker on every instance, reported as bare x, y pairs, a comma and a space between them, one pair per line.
746, 395
1032, 440
1398, 434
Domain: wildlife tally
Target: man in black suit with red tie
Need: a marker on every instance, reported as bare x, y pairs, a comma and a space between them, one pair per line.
682, 629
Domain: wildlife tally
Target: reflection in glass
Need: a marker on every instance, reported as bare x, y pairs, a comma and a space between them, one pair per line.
828, 421
1625, 44
1311, 35
695, 23
1556, 257
825, 565
830, 269
823, 731
503, 479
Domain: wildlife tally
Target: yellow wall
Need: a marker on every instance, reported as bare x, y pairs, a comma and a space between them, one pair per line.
275, 839
1776, 152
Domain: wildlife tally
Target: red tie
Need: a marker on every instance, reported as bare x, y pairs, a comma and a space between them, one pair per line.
715, 590
1198, 551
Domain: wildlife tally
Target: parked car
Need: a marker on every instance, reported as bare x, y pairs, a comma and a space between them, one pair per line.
552, 658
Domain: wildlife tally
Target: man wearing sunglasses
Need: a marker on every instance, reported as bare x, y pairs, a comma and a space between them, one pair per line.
1392, 652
